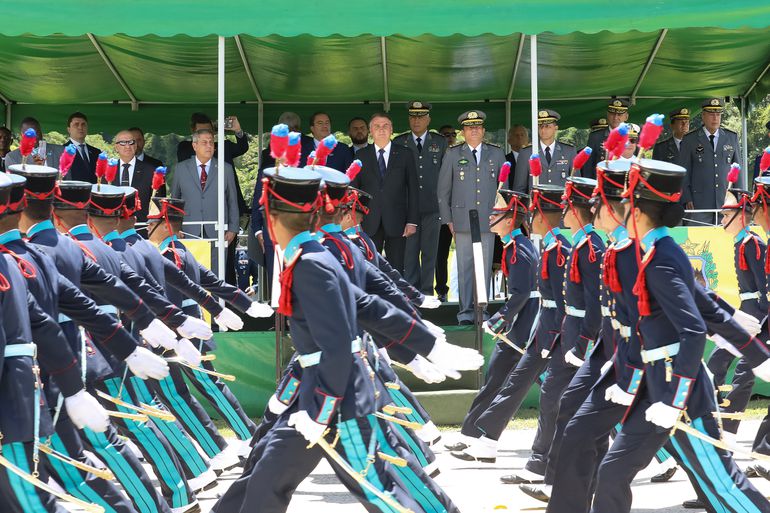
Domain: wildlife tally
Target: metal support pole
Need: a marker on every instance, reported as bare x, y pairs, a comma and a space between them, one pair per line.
744, 146
533, 88
221, 160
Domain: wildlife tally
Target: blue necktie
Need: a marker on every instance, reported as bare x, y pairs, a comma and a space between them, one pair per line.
381, 163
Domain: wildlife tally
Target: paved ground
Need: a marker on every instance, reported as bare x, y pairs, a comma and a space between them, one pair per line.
475, 487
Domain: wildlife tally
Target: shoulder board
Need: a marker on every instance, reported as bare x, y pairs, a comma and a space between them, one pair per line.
624, 244
492, 144
456, 145
527, 146
693, 131
729, 131
399, 137
664, 141
565, 144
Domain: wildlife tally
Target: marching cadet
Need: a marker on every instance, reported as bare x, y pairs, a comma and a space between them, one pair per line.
668, 149
512, 325
429, 149
617, 113
468, 181
675, 384
555, 156
707, 154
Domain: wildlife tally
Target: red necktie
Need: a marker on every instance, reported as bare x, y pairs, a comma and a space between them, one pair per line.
203, 176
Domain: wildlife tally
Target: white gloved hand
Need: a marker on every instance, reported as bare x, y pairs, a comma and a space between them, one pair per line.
747, 322
86, 412
258, 310
762, 371
607, 366
146, 364
276, 406
193, 327
450, 356
158, 334
721, 343
437, 331
228, 320
430, 302
544, 353
384, 355
571, 358
662, 415
616, 395
307, 427
188, 352
425, 370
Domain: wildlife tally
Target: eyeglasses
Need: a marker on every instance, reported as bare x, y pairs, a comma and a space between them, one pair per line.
448, 134
126, 143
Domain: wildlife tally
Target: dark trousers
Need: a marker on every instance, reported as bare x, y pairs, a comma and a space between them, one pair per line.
495, 418
743, 382
504, 358
29, 499
762, 438
442, 260
420, 257
230, 276
395, 248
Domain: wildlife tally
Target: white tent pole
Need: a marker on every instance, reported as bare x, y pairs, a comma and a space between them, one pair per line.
744, 147
385, 85
221, 159
533, 87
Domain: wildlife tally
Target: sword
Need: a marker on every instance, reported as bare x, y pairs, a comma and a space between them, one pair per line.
144, 409
721, 444
505, 339
98, 472
137, 417
226, 377
396, 420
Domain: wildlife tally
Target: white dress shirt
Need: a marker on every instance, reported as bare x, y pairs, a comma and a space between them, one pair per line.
198, 168
130, 171
478, 152
385, 155
716, 137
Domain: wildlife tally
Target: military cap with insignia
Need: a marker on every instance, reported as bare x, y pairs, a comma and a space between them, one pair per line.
578, 191
547, 198
736, 199
131, 202
508, 201
611, 179
17, 200
418, 108
358, 200
617, 105
633, 131
656, 180
162, 207
106, 201
41, 181
334, 185
599, 124
680, 113
291, 189
713, 105
547, 116
761, 190
72, 195
472, 118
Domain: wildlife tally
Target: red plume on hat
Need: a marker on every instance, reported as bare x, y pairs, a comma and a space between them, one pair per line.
505, 171
324, 150
764, 162
535, 166
354, 169
293, 149
112, 170
159, 178
616, 141
101, 166
27, 143
66, 159
279, 141
733, 174
651, 131
581, 158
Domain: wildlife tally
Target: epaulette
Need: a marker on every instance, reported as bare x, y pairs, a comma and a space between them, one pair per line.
565, 144
527, 146
728, 131
457, 145
693, 131
624, 244
492, 144
401, 136
664, 141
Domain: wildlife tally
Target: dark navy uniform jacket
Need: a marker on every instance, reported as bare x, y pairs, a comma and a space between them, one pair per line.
520, 310
550, 283
749, 257
582, 297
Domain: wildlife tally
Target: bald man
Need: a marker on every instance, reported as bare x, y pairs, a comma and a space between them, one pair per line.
134, 172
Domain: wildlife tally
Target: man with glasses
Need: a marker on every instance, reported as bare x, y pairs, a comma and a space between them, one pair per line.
617, 113
555, 156
450, 133
321, 126
133, 172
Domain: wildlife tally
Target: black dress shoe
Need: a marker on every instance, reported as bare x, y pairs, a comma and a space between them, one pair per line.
664, 476
693, 504
462, 455
535, 492
457, 446
442, 298
465, 322
751, 471
518, 480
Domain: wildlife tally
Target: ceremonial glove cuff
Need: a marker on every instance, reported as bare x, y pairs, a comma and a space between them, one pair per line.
188, 352
430, 302
571, 358
276, 406
258, 310
86, 412
662, 415
193, 327
616, 395
436, 331
449, 356
762, 371
145, 364
425, 370
747, 322
158, 334
307, 427
228, 320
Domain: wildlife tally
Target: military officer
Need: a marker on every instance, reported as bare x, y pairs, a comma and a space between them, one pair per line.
555, 156
468, 181
597, 124
706, 154
617, 113
668, 149
429, 149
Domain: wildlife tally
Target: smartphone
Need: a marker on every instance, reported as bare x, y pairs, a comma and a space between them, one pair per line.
42, 150
229, 123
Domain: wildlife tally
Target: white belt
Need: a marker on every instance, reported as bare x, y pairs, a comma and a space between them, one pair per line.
606, 312
308, 360
20, 350
110, 309
189, 302
659, 353
624, 331
745, 296
574, 312
548, 303
534, 294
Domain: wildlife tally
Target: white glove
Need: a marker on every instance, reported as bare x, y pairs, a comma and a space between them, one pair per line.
762, 371
437, 331
721, 343
145, 364
384, 355
193, 327
430, 302
616, 395
275, 405
158, 334
606, 367
662, 415
450, 356
257, 310
425, 370
544, 353
86, 412
228, 320
307, 427
747, 322
188, 352
571, 358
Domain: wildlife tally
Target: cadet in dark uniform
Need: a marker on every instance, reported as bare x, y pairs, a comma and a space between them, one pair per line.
617, 113
468, 181
706, 154
668, 149
555, 156
247, 272
429, 149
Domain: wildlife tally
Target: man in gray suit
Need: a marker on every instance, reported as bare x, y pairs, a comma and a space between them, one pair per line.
468, 181
668, 149
43, 154
555, 157
706, 154
428, 148
195, 181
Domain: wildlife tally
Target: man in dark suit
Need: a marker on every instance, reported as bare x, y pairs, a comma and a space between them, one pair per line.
132, 172
358, 131
138, 135
388, 173
320, 127
84, 166
43, 154
518, 138
668, 149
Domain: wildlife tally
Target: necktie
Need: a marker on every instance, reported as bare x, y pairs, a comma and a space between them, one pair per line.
124, 181
381, 163
475, 157
548, 155
83, 152
711, 140
203, 176
419, 145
